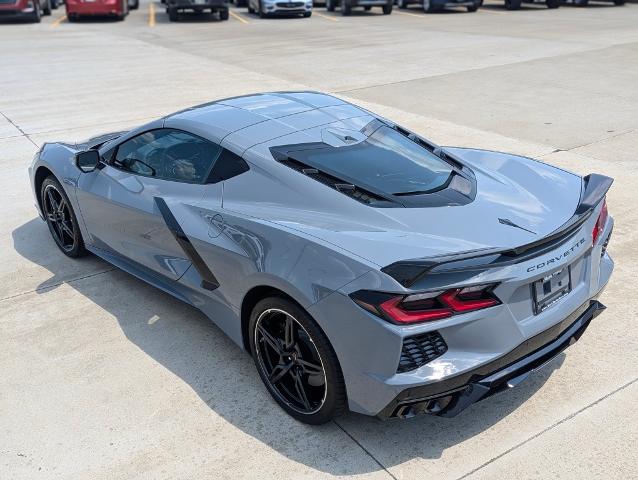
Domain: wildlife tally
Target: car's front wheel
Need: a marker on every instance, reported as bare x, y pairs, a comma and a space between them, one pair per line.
61, 219
296, 361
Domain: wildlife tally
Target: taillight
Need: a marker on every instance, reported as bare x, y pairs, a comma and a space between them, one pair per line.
427, 306
600, 223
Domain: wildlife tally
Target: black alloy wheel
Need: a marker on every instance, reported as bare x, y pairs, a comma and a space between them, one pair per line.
61, 219
296, 362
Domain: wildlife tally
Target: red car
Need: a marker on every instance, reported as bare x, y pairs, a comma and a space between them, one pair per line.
80, 8
25, 9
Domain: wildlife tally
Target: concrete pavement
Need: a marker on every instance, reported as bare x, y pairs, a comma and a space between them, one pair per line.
106, 377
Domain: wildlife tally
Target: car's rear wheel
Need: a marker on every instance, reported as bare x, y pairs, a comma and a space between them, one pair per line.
223, 14
61, 219
47, 8
330, 5
619, 2
552, 3
387, 8
172, 14
296, 361
346, 7
512, 4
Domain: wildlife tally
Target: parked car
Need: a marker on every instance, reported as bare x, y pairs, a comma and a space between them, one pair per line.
584, 3
96, 8
430, 6
271, 8
363, 266
25, 9
174, 7
346, 6
516, 4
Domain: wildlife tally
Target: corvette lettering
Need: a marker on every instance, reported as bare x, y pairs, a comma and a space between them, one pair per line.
557, 258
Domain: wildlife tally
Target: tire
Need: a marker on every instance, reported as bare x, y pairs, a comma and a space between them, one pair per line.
402, 4
330, 6
513, 4
60, 217
47, 8
262, 13
619, 3
72, 18
346, 8
307, 14
387, 8
54, 4
223, 14
317, 397
428, 7
36, 16
173, 16
473, 8
552, 3
135, 5
250, 9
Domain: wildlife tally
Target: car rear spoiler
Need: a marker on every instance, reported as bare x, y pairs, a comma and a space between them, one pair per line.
408, 272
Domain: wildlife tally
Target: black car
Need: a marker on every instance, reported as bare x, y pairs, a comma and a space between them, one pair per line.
430, 6
173, 7
347, 5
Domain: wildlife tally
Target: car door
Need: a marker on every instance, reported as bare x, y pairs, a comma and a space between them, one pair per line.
119, 200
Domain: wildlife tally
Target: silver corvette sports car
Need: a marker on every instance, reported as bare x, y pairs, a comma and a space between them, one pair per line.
362, 266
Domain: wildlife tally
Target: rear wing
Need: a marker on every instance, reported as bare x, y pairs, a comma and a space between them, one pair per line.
408, 272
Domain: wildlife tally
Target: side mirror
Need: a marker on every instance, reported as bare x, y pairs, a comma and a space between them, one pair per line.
87, 161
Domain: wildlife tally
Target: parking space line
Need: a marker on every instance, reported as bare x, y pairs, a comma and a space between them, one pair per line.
327, 17
410, 14
58, 21
237, 17
495, 12
151, 14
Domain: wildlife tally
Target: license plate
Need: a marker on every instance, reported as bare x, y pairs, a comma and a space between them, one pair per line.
551, 288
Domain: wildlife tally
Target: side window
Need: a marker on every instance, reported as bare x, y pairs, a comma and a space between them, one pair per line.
168, 154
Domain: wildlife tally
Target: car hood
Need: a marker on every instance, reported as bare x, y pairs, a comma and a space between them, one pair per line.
518, 201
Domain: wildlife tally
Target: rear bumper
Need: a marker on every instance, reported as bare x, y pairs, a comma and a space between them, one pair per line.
11, 11
451, 396
94, 8
369, 3
191, 5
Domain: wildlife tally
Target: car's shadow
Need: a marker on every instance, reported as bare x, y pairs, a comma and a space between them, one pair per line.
188, 344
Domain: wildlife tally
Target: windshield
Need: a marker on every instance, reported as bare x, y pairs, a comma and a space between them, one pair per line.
386, 161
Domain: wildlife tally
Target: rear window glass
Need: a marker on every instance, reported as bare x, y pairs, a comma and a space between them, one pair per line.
386, 161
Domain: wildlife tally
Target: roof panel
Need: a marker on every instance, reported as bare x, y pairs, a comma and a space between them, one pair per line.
268, 105
213, 121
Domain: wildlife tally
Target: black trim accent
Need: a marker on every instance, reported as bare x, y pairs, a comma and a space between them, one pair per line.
209, 282
407, 272
459, 392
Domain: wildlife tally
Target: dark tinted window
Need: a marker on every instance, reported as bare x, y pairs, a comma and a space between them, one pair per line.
386, 161
168, 154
